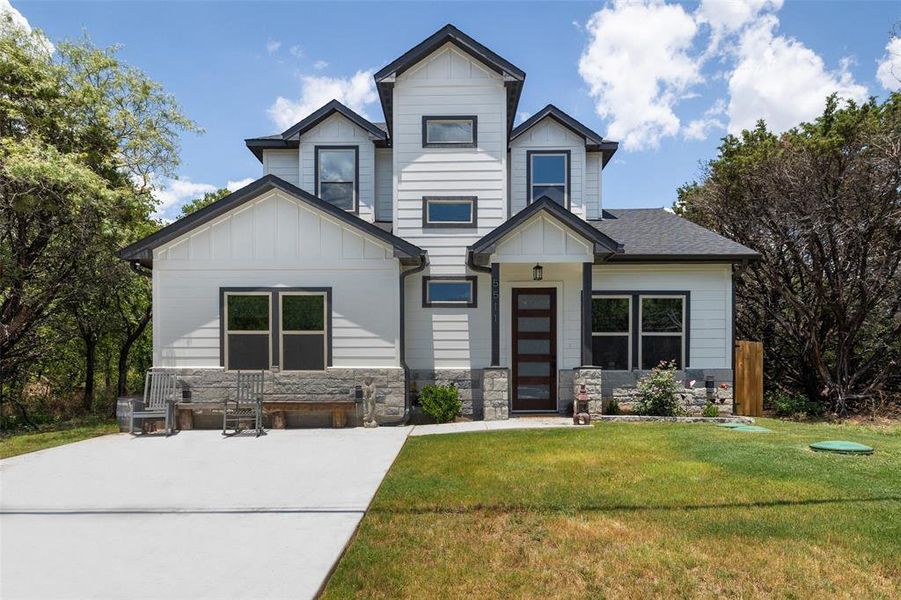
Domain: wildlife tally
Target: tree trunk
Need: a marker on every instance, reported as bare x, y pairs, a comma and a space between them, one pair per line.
125, 350
90, 358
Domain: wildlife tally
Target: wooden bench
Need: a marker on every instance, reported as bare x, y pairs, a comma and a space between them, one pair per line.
338, 408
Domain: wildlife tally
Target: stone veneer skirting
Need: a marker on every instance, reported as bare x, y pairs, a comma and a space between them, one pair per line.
468, 382
212, 385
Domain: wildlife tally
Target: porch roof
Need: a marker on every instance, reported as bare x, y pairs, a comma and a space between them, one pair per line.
603, 245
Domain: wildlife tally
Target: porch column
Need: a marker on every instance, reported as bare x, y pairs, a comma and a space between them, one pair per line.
587, 354
495, 314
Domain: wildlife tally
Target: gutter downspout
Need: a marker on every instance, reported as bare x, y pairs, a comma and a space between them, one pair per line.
470, 262
423, 263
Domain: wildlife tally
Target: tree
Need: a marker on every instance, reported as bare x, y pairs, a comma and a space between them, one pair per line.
822, 205
206, 200
82, 139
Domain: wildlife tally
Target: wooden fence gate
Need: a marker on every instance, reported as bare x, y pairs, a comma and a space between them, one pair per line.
749, 378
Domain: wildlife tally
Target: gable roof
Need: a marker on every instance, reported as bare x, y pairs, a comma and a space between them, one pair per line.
513, 75
290, 138
593, 140
654, 234
603, 244
142, 250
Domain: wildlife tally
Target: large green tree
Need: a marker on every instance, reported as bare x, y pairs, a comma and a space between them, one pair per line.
82, 138
822, 205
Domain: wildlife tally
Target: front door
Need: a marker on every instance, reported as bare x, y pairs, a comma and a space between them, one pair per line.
534, 349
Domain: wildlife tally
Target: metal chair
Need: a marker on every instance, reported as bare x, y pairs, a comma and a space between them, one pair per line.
159, 400
247, 404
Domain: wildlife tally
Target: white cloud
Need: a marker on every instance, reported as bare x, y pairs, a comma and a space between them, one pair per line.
10, 17
171, 194
889, 71
781, 80
320, 64
272, 46
296, 51
725, 16
355, 92
234, 186
638, 65
699, 129
521, 116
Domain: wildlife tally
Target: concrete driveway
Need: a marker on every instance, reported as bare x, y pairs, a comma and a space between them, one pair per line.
191, 516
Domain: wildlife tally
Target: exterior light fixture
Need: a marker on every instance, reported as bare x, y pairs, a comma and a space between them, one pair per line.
537, 273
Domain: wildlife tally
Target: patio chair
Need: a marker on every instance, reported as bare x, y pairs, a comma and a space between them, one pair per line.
247, 405
159, 400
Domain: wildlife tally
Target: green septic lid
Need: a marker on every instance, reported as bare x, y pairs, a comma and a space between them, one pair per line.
730, 425
750, 428
842, 447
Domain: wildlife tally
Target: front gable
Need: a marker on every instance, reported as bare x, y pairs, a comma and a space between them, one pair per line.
448, 64
543, 239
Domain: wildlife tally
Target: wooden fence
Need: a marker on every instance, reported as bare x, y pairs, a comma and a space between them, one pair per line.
749, 378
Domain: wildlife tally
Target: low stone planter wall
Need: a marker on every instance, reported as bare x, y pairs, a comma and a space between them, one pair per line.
694, 400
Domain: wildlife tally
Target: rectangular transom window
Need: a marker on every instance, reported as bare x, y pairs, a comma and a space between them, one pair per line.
248, 316
337, 176
449, 211
449, 132
548, 174
449, 291
635, 330
662, 330
611, 329
303, 331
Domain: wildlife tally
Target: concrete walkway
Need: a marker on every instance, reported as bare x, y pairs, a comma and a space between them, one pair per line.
191, 516
515, 423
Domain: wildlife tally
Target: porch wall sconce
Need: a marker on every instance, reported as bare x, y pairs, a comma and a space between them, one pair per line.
537, 273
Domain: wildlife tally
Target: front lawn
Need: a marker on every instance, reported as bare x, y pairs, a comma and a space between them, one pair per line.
20, 443
625, 510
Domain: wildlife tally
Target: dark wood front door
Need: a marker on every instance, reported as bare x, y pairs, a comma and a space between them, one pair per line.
534, 349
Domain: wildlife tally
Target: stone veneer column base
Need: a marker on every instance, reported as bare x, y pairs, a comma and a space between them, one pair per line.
591, 378
496, 393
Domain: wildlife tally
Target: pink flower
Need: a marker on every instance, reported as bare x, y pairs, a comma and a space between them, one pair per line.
691, 383
724, 386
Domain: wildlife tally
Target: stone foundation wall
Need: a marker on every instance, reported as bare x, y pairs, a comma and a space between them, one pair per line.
621, 386
335, 383
468, 382
496, 393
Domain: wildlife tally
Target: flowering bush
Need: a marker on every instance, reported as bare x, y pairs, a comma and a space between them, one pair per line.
658, 392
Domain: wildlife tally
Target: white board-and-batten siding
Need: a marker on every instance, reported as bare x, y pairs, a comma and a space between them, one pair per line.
275, 241
448, 83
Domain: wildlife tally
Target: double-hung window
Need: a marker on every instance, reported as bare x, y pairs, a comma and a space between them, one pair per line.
337, 176
450, 131
449, 211
449, 292
639, 330
287, 328
548, 175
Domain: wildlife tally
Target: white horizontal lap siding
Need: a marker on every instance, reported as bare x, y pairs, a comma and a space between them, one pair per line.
275, 241
448, 83
283, 164
547, 135
337, 130
384, 184
593, 185
711, 302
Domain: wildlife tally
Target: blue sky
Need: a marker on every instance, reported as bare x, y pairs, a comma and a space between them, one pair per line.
667, 80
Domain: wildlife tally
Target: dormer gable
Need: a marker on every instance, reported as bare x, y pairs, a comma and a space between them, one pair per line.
593, 141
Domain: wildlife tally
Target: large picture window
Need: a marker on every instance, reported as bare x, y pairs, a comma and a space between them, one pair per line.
265, 328
548, 175
303, 331
248, 317
450, 132
337, 176
639, 330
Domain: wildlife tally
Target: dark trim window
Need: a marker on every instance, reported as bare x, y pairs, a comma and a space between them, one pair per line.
452, 131
336, 174
450, 211
265, 328
639, 330
548, 173
449, 291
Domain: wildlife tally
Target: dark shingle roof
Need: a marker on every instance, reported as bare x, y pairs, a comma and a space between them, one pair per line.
656, 234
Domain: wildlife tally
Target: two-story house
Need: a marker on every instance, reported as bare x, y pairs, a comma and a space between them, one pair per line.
443, 245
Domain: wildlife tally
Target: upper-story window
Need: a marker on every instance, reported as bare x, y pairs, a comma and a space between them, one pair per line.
450, 211
337, 175
450, 132
548, 174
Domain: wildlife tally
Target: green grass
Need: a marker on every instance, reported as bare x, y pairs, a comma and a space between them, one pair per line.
626, 510
21, 443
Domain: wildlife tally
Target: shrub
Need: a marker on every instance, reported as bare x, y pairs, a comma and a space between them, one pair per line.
711, 410
658, 392
613, 407
441, 402
786, 404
